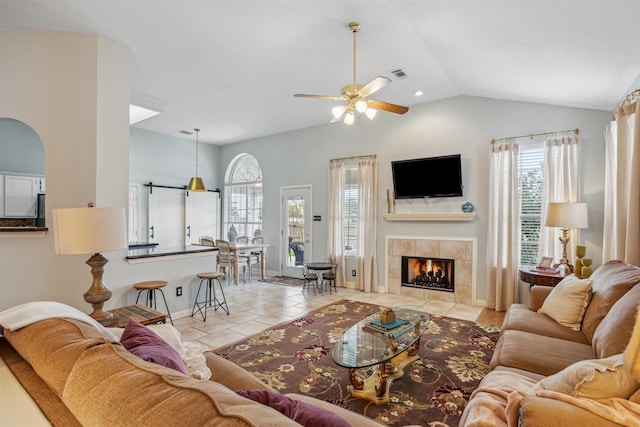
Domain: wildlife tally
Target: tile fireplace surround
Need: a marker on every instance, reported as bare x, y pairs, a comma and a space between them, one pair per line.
461, 249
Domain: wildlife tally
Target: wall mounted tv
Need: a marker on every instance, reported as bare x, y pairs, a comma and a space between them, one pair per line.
429, 177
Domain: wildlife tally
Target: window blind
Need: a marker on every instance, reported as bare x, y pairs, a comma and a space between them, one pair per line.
530, 187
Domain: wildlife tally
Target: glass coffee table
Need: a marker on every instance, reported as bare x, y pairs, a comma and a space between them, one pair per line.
387, 351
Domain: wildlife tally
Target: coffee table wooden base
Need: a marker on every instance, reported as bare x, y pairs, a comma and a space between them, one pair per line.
376, 386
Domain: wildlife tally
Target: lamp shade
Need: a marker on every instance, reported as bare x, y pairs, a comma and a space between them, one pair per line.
89, 230
567, 215
196, 184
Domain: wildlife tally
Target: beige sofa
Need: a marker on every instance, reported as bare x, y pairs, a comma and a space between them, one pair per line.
533, 347
91, 380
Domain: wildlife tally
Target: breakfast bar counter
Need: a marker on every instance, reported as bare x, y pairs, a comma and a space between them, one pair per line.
158, 253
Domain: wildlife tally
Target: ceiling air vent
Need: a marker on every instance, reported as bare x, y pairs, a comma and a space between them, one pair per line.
399, 73
186, 132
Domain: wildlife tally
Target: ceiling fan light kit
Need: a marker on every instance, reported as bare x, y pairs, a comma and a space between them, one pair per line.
356, 95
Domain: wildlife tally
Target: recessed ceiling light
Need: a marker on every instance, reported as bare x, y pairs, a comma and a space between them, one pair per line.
138, 114
418, 93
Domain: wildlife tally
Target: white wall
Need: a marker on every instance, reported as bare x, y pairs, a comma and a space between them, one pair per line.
462, 125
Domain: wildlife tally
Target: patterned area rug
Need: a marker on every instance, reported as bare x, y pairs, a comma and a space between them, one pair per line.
295, 357
282, 280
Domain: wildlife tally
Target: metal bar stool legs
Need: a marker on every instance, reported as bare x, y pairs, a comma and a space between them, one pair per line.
150, 300
210, 298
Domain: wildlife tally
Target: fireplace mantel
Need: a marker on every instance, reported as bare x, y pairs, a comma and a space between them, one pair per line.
455, 216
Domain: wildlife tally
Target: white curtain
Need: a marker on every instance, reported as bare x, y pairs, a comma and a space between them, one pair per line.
503, 233
335, 235
561, 184
367, 224
622, 187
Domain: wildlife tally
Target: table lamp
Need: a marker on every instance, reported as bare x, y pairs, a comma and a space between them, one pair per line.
566, 216
91, 231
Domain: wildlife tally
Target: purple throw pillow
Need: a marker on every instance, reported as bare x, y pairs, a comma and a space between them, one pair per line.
300, 412
147, 345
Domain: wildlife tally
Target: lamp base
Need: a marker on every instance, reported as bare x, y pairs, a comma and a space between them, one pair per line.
98, 293
564, 240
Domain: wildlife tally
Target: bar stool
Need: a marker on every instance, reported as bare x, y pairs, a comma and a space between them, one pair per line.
151, 286
210, 300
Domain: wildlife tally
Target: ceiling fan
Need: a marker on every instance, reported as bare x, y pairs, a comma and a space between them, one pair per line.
356, 95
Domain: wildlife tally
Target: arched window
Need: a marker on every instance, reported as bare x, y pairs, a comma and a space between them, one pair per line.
243, 196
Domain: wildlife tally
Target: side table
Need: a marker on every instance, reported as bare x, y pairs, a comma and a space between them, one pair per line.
532, 277
139, 312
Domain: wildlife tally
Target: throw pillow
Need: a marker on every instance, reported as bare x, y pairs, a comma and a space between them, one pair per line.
195, 361
300, 412
567, 302
592, 379
147, 345
632, 352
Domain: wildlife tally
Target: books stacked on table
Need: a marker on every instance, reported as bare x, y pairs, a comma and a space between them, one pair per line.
546, 270
395, 328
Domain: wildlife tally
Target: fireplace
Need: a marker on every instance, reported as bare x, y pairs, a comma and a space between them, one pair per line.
428, 273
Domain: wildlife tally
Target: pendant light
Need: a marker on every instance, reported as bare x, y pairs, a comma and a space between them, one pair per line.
196, 183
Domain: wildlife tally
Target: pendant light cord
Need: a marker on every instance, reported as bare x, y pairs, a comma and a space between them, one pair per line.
197, 130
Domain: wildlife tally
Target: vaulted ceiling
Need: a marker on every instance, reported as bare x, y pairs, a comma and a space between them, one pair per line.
231, 68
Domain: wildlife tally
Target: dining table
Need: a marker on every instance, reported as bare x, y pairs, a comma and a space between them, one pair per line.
237, 249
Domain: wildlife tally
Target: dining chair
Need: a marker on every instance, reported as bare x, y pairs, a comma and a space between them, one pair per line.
329, 276
257, 253
310, 278
206, 241
226, 258
249, 257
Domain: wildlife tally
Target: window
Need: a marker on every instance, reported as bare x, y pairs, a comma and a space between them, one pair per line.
530, 187
243, 196
350, 209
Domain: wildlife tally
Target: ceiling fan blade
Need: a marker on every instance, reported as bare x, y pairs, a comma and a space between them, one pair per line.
373, 86
302, 95
386, 106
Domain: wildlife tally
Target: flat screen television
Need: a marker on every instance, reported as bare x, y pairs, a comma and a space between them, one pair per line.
429, 177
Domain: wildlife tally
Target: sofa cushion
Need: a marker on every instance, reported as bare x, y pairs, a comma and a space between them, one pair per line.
147, 345
632, 351
537, 353
613, 334
520, 317
109, 386
52, 347
592, 379
302, 413
610, 281
568, 301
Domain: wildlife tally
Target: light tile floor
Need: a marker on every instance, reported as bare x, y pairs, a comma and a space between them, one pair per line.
255, 306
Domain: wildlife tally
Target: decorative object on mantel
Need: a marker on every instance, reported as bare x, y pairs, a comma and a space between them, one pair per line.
566, 216
196, 183
91, 231
232, 234
467, 207
391, 202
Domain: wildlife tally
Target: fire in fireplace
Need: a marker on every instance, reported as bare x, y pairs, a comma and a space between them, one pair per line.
428, 273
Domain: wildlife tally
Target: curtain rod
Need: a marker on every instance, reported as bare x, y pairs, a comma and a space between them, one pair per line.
576, 131
367, 156
632, 97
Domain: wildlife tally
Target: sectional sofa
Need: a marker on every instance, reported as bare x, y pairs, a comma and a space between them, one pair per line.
550, 369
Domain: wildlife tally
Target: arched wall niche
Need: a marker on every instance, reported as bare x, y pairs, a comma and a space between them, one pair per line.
21, 148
